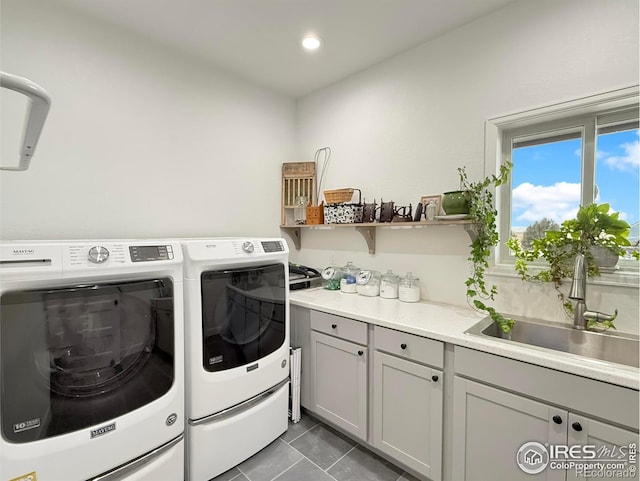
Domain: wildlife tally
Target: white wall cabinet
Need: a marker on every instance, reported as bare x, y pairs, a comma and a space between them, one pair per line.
339, 384
407, 399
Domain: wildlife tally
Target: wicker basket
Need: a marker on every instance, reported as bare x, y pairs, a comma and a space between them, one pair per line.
339, 195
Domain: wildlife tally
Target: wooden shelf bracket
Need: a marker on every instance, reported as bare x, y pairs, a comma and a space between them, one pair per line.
294, 233
369, 234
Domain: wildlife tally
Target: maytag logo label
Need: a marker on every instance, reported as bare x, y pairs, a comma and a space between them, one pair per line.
103, 430
23, 252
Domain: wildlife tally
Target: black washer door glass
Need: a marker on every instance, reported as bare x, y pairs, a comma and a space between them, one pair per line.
243, 315
78, 356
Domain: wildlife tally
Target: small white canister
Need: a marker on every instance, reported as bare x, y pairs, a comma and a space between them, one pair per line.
368, 283
389, 285
409, 290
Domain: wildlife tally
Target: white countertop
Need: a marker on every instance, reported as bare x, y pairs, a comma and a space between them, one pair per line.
447, 323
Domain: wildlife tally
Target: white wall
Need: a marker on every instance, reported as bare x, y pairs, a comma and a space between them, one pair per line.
141, 141
145, 142
399, 130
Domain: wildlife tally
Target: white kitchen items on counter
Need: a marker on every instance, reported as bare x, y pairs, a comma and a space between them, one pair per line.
368, 283
389, 285
331, 277
409, 288
348, 282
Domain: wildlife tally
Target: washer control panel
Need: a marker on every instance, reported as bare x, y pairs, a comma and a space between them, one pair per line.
248, 247
272, 246
151, 253
98, 254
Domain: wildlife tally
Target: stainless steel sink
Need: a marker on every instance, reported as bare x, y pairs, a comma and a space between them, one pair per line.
610, 346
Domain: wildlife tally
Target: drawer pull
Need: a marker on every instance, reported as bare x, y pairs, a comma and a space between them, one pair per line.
434, 378
333, 326
577, 426
403, 346
557, 419
360, 353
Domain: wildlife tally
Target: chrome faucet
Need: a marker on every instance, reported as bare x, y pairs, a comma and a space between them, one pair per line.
578, 292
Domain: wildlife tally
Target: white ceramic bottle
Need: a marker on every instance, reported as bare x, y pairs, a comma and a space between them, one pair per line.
431, 210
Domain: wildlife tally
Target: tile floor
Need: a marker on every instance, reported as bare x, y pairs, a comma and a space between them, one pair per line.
312, 451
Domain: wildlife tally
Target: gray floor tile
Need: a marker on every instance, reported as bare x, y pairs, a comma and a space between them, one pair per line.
295, 430
322, 445
304, 470
240, 477
227, 476
270, 462
363, 465
407, 477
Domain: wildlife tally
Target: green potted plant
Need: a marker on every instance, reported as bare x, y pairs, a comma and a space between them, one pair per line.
482, 212
595, 228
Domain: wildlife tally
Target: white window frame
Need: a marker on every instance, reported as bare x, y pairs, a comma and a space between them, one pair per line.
570, 116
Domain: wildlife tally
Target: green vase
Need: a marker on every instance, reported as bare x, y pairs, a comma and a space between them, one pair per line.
455, 202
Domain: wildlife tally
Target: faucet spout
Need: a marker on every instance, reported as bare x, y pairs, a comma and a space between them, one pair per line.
579, 283
578, 292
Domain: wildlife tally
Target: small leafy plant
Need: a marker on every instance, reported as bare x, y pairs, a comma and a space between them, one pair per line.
594, 226
483, 213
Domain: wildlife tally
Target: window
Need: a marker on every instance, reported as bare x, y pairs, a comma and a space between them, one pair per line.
564, 156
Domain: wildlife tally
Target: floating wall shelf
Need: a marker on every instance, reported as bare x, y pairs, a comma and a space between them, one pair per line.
368, 230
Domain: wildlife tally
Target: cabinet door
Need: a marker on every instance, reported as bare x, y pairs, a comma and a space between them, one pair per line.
407, 413
489, 428
611, 444
339, 375
301, 337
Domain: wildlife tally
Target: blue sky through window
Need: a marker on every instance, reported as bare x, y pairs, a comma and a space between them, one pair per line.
546, 178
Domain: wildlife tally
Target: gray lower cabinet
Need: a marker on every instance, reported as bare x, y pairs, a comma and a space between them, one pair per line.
301, 337
489, 426
491, 422
407, 413
609, 441
339, 379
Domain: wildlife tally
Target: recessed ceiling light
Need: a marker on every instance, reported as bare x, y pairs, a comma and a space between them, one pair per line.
311, 42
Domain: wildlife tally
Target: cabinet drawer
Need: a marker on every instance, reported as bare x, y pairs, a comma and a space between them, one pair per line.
409, 346
341, 327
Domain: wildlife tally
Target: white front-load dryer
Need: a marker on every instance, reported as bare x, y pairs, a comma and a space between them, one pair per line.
237, 347
91, 361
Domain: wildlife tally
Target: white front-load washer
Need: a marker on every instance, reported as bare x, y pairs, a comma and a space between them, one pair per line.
91, 361
237, 350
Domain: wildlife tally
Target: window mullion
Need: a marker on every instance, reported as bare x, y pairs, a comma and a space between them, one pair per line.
588, 191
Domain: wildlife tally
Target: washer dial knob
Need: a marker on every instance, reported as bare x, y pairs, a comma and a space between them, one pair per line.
247, 247
98, 254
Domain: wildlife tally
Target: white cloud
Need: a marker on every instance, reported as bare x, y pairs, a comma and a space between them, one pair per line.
558, 202
628, 162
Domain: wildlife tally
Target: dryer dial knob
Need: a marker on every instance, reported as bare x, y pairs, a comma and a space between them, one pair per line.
98, 254
247, 247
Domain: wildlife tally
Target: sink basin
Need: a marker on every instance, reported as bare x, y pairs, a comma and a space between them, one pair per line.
610, 346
